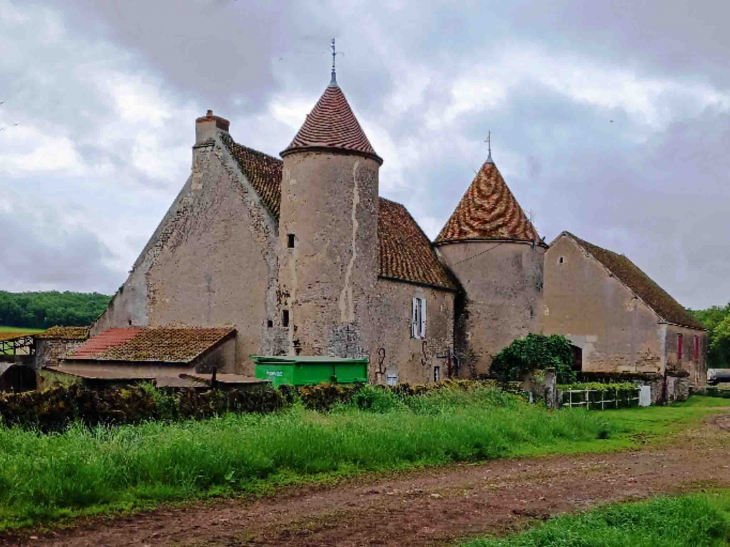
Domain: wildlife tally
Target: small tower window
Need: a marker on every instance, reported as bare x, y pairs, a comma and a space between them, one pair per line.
285, 318
290, 241
561, 260
269, 323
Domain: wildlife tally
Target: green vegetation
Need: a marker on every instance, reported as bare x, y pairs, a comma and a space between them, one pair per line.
699, 520
535, 351
40, 310
716, 320
86, 470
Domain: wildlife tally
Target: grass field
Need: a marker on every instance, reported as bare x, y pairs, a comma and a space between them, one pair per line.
11, 332
86, 471
698, 520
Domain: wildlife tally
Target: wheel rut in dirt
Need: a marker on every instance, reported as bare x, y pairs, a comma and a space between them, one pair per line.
426, 507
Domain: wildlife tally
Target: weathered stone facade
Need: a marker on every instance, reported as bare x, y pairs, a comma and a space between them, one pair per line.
597, 309
502, 283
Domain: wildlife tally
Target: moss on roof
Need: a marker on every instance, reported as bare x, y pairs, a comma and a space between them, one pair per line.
64, 333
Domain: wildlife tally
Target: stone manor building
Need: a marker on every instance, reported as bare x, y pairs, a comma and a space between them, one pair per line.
301, 256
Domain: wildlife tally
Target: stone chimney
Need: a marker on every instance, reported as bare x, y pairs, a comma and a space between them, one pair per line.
207, 126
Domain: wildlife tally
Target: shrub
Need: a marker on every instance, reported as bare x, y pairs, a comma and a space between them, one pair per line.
535, 352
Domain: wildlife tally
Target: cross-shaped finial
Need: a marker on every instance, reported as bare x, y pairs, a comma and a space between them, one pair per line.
488, 140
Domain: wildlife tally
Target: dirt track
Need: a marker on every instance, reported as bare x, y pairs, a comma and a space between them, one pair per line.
427, 507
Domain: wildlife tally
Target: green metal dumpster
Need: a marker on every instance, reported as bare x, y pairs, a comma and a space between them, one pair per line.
300, 371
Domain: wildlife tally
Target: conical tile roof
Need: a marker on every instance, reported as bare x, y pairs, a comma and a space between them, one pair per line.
488, 210
332, 125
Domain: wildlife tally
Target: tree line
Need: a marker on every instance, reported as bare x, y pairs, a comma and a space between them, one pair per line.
45, 309
716, 320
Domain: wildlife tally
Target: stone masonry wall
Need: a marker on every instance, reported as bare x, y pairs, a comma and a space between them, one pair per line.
329, 205
503, 283
595, 311
211, 262
392, 301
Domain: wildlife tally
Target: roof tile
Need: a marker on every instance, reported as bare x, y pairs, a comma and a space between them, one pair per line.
332, 124
157, 344
488, 210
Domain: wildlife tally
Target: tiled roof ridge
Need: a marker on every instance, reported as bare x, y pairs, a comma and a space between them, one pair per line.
332, 125
488, 210
639, 283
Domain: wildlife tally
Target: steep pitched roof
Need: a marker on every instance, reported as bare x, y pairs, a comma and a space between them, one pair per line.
488, 210
640, 284
405, 251
261, 170
332, 125
151, 344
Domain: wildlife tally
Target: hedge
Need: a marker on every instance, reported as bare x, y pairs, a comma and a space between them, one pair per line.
56, 408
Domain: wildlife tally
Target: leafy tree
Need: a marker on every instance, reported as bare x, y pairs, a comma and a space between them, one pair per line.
536, 351
716, 320
44, 309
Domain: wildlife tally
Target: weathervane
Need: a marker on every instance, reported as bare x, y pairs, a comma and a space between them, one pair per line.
333, 81
488, 140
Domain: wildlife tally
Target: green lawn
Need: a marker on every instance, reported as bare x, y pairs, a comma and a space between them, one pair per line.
697, 520
81, 471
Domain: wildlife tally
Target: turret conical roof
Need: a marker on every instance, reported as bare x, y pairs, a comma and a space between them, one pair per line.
488, 210
331, 125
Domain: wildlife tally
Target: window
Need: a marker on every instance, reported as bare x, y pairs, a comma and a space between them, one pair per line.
680, 346
290, 241
269, 324
697, 348
285, 318
436, 373
561, 260
418, 318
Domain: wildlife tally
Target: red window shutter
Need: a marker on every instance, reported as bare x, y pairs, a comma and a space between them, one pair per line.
680, 343
697, 348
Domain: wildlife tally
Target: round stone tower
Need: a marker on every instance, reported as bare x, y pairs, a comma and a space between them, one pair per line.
328, 229
497, 255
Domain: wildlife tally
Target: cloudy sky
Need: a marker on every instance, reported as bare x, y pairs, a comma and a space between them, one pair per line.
610, 119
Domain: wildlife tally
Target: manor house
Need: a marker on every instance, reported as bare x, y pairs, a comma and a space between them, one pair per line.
301, 256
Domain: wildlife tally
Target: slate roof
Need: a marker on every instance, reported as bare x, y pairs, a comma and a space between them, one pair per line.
488, 210
151, 344
404, 250
640, 284
64, 333
332, 125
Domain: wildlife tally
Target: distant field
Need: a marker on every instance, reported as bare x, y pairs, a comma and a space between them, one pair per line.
11, 332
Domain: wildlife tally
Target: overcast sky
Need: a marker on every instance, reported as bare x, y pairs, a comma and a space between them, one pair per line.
609, 119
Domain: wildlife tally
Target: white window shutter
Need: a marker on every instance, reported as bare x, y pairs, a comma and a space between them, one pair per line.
423, 317
414, 319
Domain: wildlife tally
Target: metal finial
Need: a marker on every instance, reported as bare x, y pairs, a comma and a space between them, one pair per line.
333, 81
488, 140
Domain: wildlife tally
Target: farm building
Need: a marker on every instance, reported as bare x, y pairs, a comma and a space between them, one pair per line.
617, 317
301, 256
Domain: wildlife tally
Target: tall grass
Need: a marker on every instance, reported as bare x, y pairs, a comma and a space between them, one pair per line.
45, 476
700, 520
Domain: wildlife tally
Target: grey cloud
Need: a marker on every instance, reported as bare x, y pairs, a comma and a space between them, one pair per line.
70, 260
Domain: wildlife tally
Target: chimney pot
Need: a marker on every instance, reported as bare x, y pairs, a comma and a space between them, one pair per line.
210, 113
